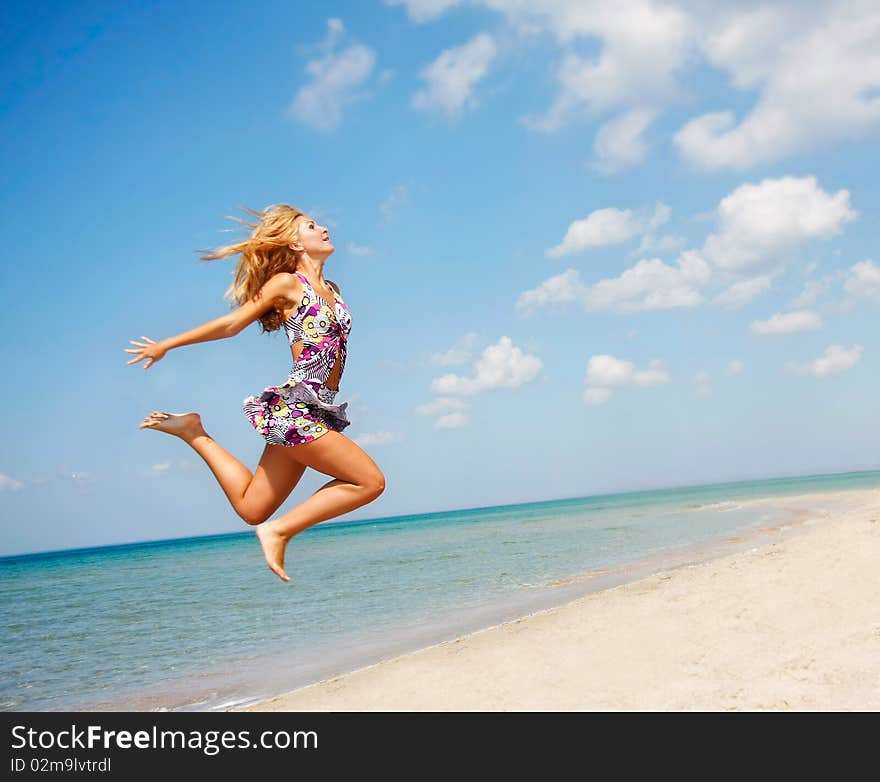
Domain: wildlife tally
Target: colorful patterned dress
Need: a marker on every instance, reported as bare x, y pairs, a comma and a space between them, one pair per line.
301, 409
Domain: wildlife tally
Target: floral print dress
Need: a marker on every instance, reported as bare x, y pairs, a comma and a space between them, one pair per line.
301, 409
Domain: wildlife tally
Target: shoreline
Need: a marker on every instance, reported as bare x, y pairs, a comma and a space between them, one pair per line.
810, 525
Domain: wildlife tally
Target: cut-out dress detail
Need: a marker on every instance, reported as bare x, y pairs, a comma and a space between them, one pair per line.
301, 409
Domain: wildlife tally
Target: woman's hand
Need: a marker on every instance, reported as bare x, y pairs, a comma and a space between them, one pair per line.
151, 350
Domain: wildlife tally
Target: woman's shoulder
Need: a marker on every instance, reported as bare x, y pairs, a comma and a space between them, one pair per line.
284, 282
285, 288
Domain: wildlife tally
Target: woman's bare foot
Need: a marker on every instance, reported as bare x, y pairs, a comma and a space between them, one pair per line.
182, 425
273, 543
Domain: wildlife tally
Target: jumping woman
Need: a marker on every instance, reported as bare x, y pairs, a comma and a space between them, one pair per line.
279, 280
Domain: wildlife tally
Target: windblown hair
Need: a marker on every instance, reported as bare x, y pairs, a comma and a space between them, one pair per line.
263, 254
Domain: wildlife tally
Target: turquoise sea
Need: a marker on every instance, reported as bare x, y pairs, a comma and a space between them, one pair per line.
202, 624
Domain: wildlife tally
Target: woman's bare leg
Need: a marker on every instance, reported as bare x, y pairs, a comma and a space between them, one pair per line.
357, 481
255, 497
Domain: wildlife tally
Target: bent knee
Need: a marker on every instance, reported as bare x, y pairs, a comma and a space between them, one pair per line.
253, 517
375, 484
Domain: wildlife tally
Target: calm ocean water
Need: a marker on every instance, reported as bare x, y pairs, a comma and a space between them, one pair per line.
202, 624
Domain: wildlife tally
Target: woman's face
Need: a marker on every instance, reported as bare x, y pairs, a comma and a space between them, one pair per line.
314, 238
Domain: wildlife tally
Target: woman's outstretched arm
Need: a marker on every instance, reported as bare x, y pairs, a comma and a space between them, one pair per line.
283, 286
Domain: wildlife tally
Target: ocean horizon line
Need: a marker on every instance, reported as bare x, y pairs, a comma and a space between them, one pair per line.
160, 542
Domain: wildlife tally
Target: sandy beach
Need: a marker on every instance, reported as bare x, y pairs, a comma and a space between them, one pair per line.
791, 621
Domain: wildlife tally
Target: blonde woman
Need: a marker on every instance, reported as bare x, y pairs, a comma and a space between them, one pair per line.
279, 281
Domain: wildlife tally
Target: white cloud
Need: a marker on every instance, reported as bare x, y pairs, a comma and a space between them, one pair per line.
760, 225
398, 197
558, 289
786, 323
652, 285
863, 280
596, 396
601, 227
813, 66
358, 249
458, 354
7, 483
662, 213
166, 468
424, 10
620, 143
607, 226
452, 77
703, 383
649, 285
374, 438
742, 292
817, 67
501, 365
335, 78
442, 404
812, 290
835, 360
643, 44
454, 420
606, 372
659, 244
734, 367
449, 409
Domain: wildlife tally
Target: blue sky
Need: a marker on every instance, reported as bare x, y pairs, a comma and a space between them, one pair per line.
591, 247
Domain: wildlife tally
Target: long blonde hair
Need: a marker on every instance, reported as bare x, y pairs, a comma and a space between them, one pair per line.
263, 254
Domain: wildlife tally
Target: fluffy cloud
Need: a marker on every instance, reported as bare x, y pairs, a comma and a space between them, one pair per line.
652, 285
642, 46
734, 367
501, 365
863, 279
786, 323
703, 384
560, 288
761, 224
596, 396
360, 249
454, 420
424, 10
457, 354
374, 438
742, 292
606, 372
649, 285
452, 77
169, 468
7, 483
449, 411
815, 65
620, 143
835, 360
660, 244
442, 404
398, 197
812, 290
607, 226
335, 77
